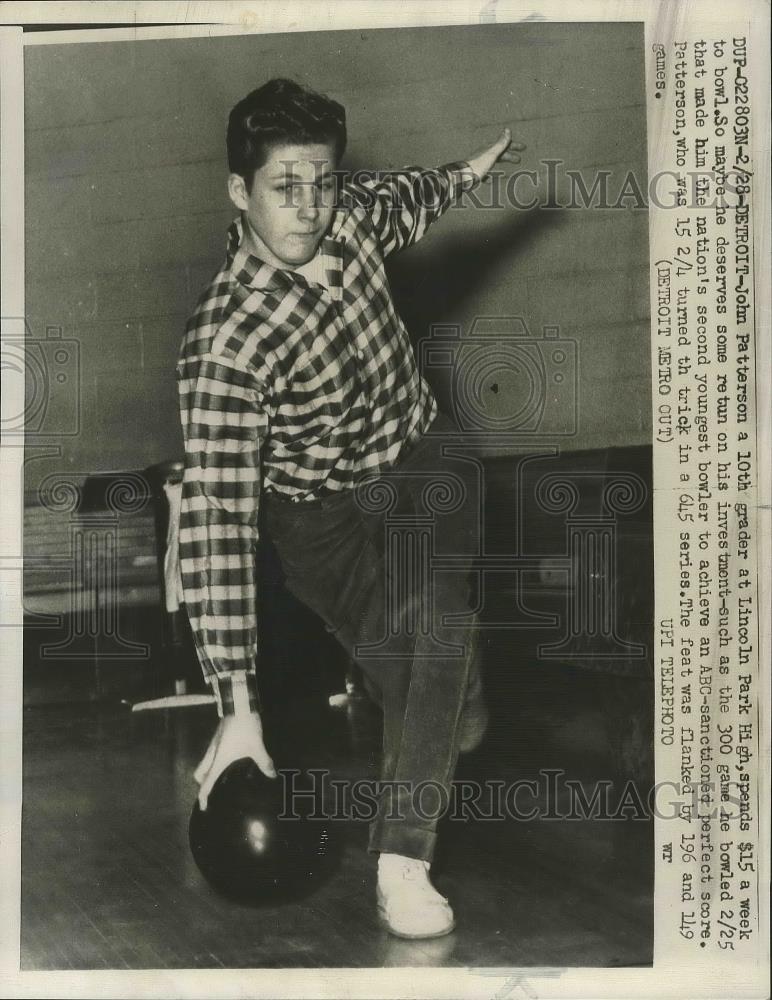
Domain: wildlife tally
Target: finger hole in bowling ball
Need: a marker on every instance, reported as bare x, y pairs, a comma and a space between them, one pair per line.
247, 851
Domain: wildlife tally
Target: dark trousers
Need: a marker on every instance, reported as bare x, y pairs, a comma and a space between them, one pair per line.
363, 560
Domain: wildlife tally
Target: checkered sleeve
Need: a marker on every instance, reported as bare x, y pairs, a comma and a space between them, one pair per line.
223, 425
404, 203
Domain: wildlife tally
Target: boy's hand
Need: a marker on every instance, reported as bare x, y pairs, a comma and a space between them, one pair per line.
503, 149
236, 736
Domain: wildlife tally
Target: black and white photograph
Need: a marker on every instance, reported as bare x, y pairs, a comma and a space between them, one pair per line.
338, 546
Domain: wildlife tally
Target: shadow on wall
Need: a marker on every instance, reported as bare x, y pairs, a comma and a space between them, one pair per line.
442, 285
436, 287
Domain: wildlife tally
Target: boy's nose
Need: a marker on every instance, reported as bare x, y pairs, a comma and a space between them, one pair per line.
308, 210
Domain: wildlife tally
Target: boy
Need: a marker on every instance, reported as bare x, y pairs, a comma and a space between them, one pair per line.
297, 381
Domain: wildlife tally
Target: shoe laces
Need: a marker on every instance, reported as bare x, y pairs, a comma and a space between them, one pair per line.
414, 873
405, 869
414, 870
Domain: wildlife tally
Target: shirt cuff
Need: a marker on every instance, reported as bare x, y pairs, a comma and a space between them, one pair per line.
236, 693
462, 176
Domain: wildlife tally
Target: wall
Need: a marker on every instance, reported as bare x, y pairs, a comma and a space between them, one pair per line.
126, 207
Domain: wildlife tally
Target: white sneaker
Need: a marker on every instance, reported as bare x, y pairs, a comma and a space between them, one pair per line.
408, 904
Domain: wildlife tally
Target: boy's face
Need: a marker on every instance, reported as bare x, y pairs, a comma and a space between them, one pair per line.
290, 206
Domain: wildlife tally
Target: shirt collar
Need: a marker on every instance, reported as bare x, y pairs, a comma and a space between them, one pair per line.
250, 270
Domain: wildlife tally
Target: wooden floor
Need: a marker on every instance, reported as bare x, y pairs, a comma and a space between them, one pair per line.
108, 881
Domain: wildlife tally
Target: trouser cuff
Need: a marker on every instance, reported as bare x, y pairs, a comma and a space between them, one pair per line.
399, 838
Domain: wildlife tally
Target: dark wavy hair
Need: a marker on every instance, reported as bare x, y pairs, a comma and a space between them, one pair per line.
281, 111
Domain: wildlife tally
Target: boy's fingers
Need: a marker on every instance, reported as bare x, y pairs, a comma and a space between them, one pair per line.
265, 764
206, 786
206, 760
507, 134
204, 766
506, 149
203, 795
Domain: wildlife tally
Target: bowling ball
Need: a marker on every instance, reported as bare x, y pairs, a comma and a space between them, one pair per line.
246, 851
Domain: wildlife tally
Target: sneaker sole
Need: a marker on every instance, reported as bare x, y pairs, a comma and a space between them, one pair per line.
414, 937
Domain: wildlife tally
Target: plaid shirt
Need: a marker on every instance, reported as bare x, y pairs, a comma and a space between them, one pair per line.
296, 388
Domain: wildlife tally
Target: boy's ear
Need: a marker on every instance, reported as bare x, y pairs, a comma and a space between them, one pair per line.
237, 191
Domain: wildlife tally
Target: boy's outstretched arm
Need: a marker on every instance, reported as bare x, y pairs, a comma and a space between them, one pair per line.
503, 150
403, 204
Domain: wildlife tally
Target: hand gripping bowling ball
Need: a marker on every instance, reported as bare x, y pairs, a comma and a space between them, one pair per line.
246, 850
